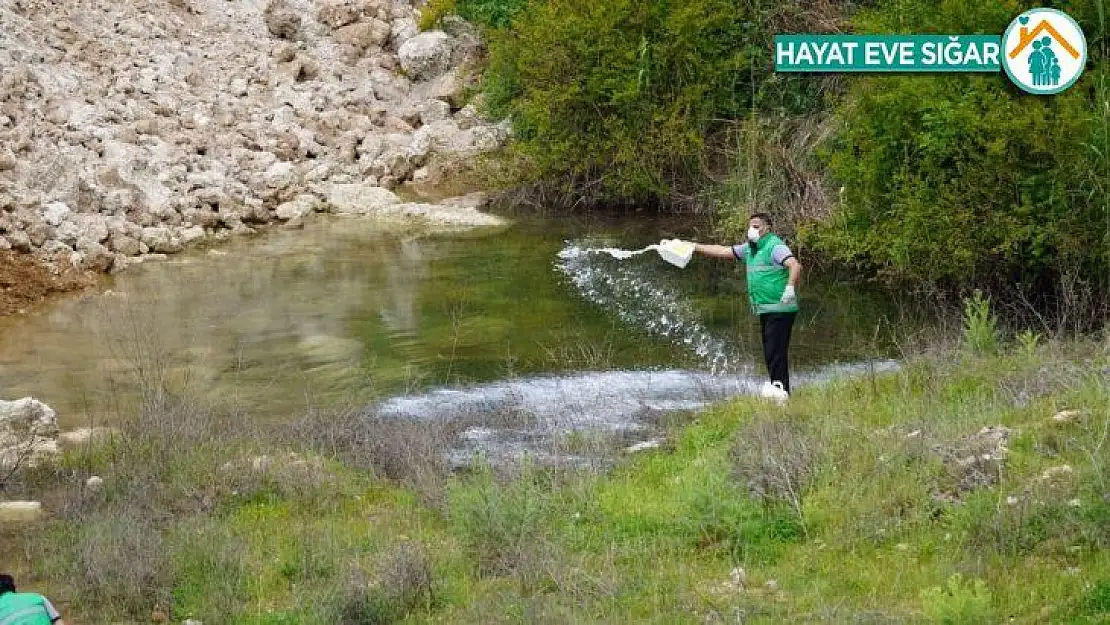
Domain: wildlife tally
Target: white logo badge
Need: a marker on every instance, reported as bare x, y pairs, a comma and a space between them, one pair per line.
1044, 51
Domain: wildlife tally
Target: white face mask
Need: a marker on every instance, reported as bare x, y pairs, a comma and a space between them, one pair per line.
753, 234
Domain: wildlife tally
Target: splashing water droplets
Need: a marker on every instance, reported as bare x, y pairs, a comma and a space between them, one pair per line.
617, 253
629, 291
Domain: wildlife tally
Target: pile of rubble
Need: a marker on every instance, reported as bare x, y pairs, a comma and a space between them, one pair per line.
131, 128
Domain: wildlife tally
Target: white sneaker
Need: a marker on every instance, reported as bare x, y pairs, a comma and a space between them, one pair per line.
775, 392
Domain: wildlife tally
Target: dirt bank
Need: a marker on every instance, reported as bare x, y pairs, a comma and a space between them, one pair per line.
26, 281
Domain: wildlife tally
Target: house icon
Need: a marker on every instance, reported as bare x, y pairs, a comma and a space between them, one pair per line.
1026, 37
1045, 51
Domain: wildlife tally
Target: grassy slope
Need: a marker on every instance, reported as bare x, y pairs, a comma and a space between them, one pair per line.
860, 519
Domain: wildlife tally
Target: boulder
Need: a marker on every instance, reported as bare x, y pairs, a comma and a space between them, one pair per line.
371, 147
403, 29
19, 241
28, 433
477, 200
20, 511
93, 228
93, 257
468, 117
67, 232
124, 244
431, 111
426, 55
299, 207
39, 233
442, 136
239, 87
85, 437
654, 443
55, 213
281, 20
279, 175
284, 52
396, 163
388, 86
466, 40
1067, 416
338, 13
461, 211
449, 87
160, 239
362, 35
213, 196
55, 248
204, 216
192, 235
359, 199
254, 211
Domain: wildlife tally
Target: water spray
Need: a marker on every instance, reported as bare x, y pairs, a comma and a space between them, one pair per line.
642, 302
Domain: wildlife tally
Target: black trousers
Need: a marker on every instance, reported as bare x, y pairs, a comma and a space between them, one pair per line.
776, 343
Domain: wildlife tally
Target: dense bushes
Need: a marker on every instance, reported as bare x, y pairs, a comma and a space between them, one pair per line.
962, 174
620, 99
960, 180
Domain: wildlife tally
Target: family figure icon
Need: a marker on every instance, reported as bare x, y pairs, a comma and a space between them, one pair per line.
1043, 64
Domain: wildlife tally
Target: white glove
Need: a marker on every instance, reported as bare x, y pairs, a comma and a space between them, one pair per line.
788, 296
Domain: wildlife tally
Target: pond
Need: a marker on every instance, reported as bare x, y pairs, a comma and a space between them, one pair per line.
347, 312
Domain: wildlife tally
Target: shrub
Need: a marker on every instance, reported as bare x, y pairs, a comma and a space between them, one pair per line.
1096, 601
775, 170
210, 572
434, 11
1028, 341
776, 460
750, 532
403, 582
956, 180
618, 98
490, 13
980, 325
114, 564
499, 522
958, 602
409, 452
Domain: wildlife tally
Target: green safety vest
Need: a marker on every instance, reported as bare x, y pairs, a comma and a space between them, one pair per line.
766, 280
23, 608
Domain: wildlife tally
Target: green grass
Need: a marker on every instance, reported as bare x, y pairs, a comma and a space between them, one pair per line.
852, 499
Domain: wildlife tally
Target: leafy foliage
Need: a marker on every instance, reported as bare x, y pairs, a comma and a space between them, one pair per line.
490, 13
980, 325
621, 96
964, 180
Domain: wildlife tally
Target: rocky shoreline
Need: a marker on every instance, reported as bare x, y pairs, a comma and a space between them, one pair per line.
137, 129
29, 438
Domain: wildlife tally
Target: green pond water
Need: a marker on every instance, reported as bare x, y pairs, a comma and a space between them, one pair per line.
346, 312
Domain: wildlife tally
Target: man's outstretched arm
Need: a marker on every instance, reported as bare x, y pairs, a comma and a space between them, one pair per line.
795, 268
714, 251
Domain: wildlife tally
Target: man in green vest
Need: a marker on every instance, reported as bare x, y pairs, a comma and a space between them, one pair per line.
24, 608
773, 274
